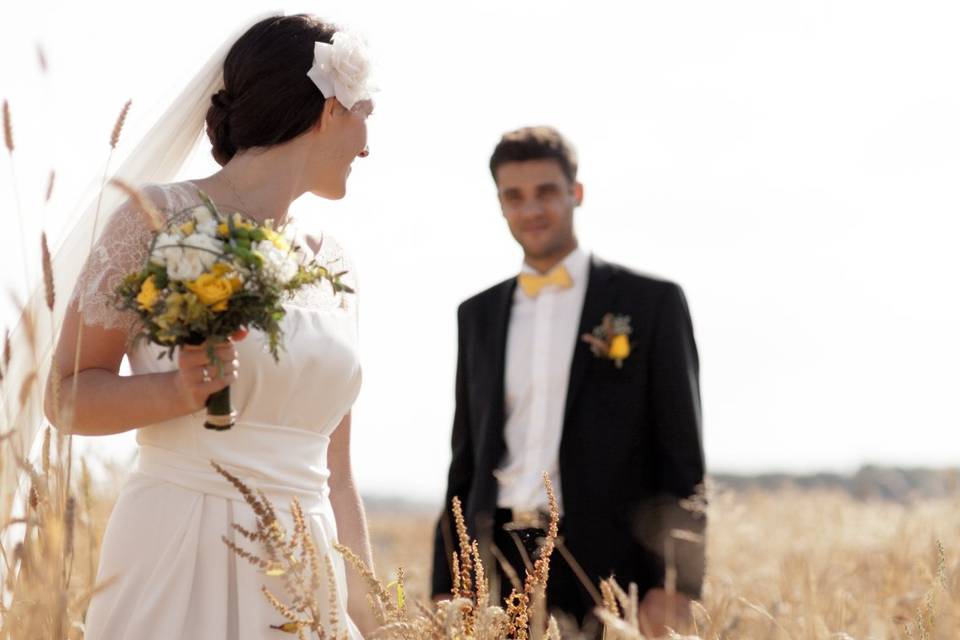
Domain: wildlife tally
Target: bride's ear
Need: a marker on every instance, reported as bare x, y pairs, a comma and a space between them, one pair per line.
331, 109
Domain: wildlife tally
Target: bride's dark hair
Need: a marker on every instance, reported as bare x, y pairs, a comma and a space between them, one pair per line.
267, 97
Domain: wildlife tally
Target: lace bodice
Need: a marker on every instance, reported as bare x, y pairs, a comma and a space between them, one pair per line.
123, 245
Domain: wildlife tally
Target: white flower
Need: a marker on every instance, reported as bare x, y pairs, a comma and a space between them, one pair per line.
208, 227
166, 249
207, 249
279, 264
205, 221
203, 215
195, 255
342, 70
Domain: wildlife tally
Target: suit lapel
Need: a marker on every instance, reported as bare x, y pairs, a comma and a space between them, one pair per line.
599, 299
500, 324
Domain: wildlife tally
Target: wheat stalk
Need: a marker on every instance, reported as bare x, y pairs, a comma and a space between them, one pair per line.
118, 125
50, 181
7, 127
47, 272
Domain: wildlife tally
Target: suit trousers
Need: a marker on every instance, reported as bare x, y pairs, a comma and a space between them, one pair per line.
566, 595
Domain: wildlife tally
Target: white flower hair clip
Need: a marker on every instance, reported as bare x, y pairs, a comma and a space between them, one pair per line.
342, 70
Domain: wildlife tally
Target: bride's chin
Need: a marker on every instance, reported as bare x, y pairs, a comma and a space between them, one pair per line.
330, 194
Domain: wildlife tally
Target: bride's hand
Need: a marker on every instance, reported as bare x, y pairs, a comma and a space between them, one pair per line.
198, 377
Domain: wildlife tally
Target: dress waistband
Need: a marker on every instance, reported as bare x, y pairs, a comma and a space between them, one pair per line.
198, 474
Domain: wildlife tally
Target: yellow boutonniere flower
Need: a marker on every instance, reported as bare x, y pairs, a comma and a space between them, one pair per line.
619, 347
149, 294
611, 340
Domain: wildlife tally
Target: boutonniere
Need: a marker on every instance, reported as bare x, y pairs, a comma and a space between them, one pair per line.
611, 339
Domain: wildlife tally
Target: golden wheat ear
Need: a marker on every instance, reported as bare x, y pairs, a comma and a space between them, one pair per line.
118, 125
142, 202
7, 127
47, 272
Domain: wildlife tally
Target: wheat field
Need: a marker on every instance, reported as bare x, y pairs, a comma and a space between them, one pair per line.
791, 565
784, 564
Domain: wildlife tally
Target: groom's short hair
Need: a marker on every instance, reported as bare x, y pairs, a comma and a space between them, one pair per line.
535, 143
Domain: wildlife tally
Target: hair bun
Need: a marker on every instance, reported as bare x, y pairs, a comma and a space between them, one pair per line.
266, 97
222, 100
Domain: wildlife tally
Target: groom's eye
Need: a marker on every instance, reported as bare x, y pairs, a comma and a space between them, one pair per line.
511, 197
547, 191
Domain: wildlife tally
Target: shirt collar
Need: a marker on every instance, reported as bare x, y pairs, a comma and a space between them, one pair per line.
577, 264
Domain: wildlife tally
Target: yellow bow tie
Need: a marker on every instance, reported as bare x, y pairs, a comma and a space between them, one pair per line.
533, 283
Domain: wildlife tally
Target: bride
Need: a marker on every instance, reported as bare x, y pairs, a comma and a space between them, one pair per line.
288, 118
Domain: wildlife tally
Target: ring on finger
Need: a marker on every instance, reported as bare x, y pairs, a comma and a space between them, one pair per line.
205, 375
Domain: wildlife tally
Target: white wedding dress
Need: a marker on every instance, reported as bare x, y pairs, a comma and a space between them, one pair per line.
173, 576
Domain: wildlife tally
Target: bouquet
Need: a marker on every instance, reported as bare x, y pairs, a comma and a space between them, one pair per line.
209, 274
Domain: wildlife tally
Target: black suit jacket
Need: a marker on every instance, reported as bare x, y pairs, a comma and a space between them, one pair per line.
630, 450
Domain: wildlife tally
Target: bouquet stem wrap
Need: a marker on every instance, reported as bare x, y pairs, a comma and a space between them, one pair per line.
220, 412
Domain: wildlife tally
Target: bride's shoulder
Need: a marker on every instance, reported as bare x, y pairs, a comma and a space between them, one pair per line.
166, 199
171, 197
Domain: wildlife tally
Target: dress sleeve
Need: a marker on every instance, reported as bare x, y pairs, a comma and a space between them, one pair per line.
120, 250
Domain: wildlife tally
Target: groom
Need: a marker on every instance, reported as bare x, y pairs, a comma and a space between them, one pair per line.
589, 371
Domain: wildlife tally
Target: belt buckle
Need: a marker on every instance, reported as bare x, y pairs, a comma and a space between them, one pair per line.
525, 519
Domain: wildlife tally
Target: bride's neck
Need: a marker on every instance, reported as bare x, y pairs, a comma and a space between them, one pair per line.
261, 184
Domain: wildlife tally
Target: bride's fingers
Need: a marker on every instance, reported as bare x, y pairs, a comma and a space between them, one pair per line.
216, 384
228, 370
198, 357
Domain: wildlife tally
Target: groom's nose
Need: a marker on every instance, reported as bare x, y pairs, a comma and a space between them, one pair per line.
531, 207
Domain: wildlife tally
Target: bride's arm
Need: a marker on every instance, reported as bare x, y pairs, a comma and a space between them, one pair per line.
103, 402
351, 523
97, 400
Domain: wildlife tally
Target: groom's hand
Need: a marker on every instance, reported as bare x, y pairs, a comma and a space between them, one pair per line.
661, 610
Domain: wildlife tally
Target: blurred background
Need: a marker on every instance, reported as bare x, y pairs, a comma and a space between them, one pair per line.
792, 165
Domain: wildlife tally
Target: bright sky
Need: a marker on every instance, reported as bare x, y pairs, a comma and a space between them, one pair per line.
794, 166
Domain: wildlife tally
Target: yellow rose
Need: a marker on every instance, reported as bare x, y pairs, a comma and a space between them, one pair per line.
212, 290
619, 347
221, 269
148, 295
223, 229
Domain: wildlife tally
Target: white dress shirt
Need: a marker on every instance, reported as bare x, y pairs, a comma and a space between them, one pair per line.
541, 338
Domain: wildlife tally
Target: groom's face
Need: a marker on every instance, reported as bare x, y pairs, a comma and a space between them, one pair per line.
538, 200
